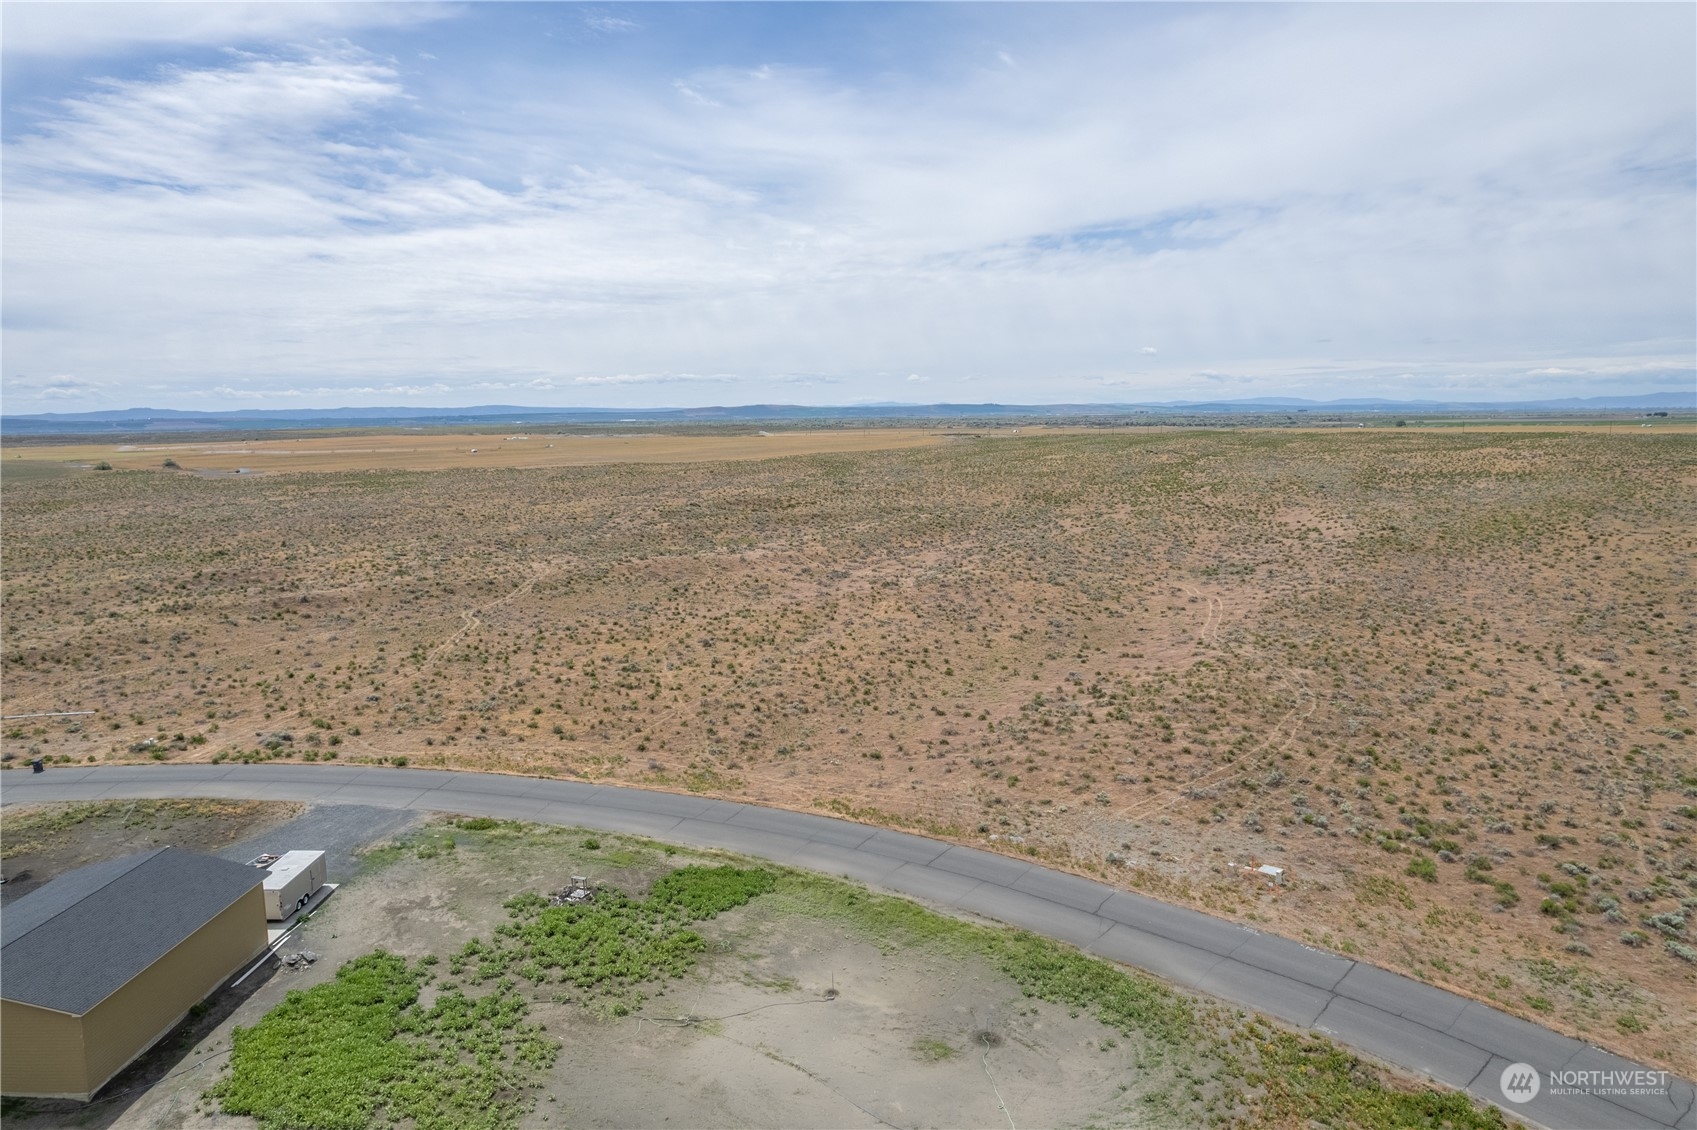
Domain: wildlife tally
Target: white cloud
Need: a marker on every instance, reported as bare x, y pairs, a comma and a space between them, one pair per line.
649, 378
603, 22
68, 30
341, 232
60, 387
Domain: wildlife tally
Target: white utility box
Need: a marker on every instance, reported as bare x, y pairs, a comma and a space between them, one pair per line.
291, 882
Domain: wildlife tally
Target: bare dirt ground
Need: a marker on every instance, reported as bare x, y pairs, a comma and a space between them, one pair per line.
38, 843
1443, 677
912, 1037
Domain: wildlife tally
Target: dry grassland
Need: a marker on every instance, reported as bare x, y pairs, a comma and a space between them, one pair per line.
405, 452
1442, 677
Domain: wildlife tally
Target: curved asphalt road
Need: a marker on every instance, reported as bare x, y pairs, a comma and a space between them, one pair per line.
1455, 1041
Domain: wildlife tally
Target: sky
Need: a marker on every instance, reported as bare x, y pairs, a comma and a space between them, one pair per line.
289, 205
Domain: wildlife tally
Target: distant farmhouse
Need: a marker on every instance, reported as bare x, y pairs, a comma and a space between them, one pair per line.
98, 964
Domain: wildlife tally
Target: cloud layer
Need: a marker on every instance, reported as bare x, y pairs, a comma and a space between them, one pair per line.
1105, 203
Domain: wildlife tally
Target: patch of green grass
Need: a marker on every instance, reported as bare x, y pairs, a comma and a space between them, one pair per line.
1130, 1002
1306, 1080
931, 1050
889, 923
359, 1051
426, 843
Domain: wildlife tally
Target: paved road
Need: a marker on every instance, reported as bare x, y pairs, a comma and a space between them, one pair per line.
1453, 1040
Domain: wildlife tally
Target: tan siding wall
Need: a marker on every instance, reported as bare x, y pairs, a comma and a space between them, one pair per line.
41, 1052
126, 1023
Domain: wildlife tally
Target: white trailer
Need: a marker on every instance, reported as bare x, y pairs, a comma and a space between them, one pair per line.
291, 882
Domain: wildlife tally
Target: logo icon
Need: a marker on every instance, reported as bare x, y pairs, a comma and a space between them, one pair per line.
1520, 1083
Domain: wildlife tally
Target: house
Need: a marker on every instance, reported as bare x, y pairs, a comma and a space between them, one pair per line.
101, 962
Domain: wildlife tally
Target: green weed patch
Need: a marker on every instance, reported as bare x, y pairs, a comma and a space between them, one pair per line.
359, 1051
604, 949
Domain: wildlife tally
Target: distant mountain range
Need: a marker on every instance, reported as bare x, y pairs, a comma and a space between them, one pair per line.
175, 419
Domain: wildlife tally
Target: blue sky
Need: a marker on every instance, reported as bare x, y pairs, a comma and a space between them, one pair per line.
282, 205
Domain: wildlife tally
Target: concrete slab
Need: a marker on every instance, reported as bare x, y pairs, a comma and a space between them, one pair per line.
1032, 913
276, 771
375, 795
900, 845
663, 804
1555, 1110
1290, 1000
1485, 1027
732, 837
1401, 996
608, 819
1176, 962
57, 791
802, 826
981, 865
1658, 1096
918, 881
480, 804
277, 790
1068, 890
405, 778
1397, 1040
1293, 959
571, 791
1212, 934
834, 859
495, 784
226, 790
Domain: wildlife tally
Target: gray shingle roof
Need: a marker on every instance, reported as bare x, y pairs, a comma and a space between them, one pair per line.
73, 942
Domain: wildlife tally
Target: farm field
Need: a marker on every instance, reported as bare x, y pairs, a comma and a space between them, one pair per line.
741, 995
1441, 677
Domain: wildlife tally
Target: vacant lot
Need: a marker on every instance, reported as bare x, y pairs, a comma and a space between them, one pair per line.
38, 844
1442, 677
744, 996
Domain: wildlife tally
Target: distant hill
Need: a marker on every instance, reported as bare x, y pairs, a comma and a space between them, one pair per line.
129, 420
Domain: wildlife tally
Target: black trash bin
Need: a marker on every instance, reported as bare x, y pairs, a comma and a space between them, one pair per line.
36, 766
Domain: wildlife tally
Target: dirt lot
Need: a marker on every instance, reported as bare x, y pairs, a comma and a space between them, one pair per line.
1442, 676
40, 842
